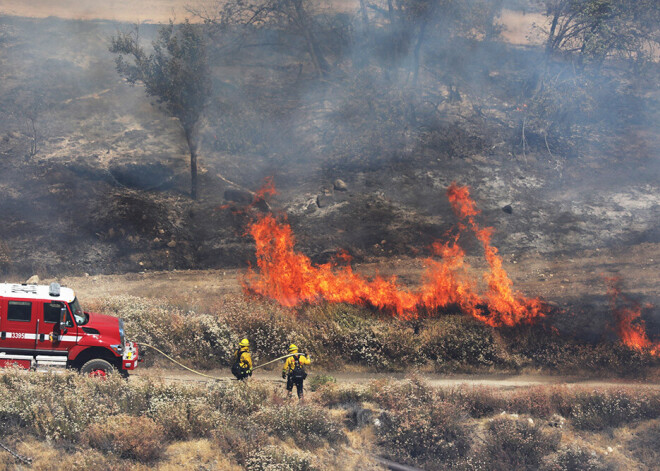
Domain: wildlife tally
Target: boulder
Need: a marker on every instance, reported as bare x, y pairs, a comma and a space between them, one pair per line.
33, 280
340, 185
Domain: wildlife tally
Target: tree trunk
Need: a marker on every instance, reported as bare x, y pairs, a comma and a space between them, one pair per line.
313, 48
365, 17
550, 43
417, 51
192, 146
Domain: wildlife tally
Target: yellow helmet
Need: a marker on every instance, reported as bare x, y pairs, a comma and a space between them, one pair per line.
244, 343
293, 348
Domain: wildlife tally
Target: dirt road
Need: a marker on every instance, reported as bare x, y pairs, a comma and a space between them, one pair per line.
495, 381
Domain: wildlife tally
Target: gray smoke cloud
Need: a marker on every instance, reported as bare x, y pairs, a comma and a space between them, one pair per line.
406, 103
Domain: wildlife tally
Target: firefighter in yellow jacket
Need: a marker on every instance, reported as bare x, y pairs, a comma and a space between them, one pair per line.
242, 366
294, 370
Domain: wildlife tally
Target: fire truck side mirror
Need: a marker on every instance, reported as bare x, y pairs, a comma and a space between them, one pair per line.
63, 322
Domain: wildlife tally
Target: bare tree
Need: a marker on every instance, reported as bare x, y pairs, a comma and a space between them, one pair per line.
300, 18
28, 104
176, 73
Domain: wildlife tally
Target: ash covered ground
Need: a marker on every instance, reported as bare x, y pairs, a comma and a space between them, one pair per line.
95, 174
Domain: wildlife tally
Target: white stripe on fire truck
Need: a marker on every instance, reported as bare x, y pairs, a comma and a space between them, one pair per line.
25, 336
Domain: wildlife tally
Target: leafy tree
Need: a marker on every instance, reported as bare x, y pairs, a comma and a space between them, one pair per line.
176, 73
301, 19
593, 30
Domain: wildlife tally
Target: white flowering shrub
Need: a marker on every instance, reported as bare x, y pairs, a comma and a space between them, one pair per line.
309, 426
432, 435
60, 407
576, 458
203, 339
517, 443
273, 458
597, 410
457, 341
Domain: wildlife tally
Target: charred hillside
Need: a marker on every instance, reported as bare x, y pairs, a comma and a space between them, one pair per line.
560, 147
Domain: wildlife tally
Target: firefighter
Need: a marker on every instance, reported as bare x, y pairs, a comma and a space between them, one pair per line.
294, 371
242, 367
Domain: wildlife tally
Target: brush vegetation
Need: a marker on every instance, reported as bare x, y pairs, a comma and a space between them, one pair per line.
72, 422
340, 335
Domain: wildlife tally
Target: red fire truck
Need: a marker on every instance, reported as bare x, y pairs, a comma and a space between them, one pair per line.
43, 327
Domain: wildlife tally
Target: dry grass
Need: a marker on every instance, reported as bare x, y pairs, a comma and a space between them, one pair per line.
144, 424
195, 454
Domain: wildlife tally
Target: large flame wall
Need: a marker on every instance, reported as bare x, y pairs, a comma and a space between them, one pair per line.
291, 278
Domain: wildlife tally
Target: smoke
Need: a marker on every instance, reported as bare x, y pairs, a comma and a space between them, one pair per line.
408, 100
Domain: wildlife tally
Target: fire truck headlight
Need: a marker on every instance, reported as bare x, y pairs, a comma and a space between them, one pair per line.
118, 349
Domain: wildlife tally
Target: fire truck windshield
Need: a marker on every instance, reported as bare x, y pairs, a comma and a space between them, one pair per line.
78, 313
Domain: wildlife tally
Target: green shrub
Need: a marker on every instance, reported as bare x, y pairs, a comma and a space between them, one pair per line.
318, 380
138, 438
272, 458
518, 444
309, 426
434, 435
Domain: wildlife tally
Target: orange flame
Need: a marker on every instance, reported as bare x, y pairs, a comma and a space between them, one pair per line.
267, 190
290, 277
630, 326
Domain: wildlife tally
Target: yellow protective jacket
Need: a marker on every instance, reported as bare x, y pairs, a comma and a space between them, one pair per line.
290, 363
244, 358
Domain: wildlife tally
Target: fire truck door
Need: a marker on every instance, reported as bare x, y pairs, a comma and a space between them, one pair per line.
18, 325
50, 334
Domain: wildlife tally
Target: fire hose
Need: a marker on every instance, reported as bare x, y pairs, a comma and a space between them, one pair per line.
209, 376
18, 457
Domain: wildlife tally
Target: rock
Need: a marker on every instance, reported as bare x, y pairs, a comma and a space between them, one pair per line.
171, 244
507, 209
325, 199
238, 196
340, 185
33, 280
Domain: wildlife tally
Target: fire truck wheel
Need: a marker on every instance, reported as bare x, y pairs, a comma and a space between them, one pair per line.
97, 367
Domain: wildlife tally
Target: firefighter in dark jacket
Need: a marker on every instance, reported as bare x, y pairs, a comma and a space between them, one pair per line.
294, 371
242, 366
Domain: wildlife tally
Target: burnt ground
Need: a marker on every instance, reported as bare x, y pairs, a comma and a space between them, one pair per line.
107, 191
